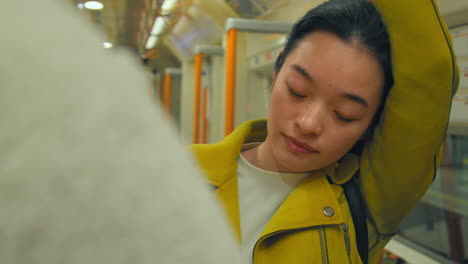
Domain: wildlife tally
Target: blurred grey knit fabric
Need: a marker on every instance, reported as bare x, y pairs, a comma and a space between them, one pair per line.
90, 171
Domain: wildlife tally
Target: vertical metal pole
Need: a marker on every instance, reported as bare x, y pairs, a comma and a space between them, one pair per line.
167, 93
204, 119
196, 112
230, 81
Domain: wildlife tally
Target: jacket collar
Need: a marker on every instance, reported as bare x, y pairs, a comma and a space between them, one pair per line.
305, 206
226, 152
219, 162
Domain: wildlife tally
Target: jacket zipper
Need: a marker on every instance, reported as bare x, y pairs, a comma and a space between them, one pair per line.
344, 227
323, 245
322, 235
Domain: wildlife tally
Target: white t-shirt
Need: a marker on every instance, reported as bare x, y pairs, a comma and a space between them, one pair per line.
261, 193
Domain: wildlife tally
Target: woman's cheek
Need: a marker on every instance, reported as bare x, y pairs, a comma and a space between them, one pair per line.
277, 103
346, 142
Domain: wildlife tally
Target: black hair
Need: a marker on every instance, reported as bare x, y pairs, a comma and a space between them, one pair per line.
357, 22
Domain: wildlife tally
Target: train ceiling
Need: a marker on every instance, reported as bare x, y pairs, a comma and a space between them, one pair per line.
130, 22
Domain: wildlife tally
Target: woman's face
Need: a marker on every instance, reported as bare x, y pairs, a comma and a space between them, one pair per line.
323, 100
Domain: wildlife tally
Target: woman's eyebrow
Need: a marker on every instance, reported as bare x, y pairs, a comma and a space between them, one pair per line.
302, 72
356, 98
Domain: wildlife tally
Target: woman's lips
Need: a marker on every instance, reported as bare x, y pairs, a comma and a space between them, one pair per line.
297, 146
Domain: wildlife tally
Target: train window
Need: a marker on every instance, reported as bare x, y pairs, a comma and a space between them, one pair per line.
439, 224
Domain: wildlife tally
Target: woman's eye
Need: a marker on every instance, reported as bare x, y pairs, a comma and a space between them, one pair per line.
344, 119
295, 94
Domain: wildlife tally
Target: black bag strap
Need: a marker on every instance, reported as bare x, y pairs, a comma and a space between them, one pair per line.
358, 212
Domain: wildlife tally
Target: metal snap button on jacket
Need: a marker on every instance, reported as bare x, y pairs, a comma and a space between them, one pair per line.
328, 211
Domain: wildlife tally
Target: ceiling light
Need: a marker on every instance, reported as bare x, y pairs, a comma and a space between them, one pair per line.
152, 41
93, 5
158, 26
168, 5
80, 5
107, 45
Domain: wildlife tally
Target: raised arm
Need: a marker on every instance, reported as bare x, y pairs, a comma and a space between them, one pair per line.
399, 161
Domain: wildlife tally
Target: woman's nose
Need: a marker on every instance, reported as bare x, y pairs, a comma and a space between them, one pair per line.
311, 119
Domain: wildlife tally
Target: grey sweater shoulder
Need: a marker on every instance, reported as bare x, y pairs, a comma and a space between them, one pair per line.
90, 170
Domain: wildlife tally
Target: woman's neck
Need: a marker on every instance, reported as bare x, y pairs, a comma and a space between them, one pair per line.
263, 158
258, 157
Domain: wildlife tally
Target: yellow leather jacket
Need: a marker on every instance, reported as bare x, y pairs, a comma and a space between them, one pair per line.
397, 165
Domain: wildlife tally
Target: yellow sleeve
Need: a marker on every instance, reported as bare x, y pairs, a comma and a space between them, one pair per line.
399, 161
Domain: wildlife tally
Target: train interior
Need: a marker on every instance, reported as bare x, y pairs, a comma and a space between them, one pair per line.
201, 55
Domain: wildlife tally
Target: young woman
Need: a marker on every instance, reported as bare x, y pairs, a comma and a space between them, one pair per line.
348, 95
